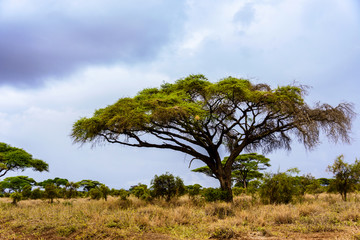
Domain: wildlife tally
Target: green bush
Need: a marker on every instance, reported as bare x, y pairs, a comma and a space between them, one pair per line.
51, 192
167, 186
36, 194
141, 191
193, 190
214, 194
95, 193
16, 197
237, 191
278, 188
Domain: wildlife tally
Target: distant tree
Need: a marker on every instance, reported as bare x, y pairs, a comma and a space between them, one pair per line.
51, 192
36, 193
122, 193
193, 190
245, 168
16, 197
167, 186
17, 184
205, 119
104, 191
14, 159
95, 193
346, 176
88, 184
140, 191
26, 192
58, 182
71, 189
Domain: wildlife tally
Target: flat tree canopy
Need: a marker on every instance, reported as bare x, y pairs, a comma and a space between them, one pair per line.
202, 118
13, 159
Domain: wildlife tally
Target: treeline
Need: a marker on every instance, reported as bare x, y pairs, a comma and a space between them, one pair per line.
280, 187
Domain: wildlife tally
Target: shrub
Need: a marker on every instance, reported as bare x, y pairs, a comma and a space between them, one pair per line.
278, 188
167, 186
193, 190
16, 197
141, 191
26, 192
95, 193
51, 192
214, 194
36, 194
237, 191
104, 191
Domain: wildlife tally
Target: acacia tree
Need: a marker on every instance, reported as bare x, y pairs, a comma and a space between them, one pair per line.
13, 159
346, 175
204, 119
245, 168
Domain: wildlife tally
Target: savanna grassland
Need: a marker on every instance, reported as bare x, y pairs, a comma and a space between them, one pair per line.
315, 217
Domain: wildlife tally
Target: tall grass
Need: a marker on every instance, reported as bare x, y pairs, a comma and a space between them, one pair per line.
324, 217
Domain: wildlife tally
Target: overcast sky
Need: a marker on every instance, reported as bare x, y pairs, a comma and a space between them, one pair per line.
61, 60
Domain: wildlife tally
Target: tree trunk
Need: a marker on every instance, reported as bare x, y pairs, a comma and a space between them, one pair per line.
225, 185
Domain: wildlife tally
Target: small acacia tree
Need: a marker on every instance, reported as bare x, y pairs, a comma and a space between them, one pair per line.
17, 184
245, 168
13, 159
205, 119
167, 186
346, 175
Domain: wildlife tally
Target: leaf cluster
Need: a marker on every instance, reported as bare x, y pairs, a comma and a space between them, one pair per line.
13, 159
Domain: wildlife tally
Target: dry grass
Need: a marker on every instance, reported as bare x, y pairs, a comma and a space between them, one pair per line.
324, 217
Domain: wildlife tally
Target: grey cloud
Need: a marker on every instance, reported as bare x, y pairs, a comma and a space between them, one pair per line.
245, 15
54, 43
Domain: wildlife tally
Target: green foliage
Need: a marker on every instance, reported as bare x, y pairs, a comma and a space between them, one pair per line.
16, 184
88, 184
51, 192
36, 194
237, 191
123, 194
71, 189
140, 191
201, 118
13, 159
16, 197
104, 191
58, 182
26, 192
193, 190
214, 194
167, 186
95, 193
346, 176
245, 168
278, 188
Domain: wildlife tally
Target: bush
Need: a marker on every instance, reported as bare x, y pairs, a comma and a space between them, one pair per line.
16, 197
104, 191
51, 192
167, 186
193, 190
237, 191
26, 192
36, 194
278, 188
214, 194
95, 193
141, 191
